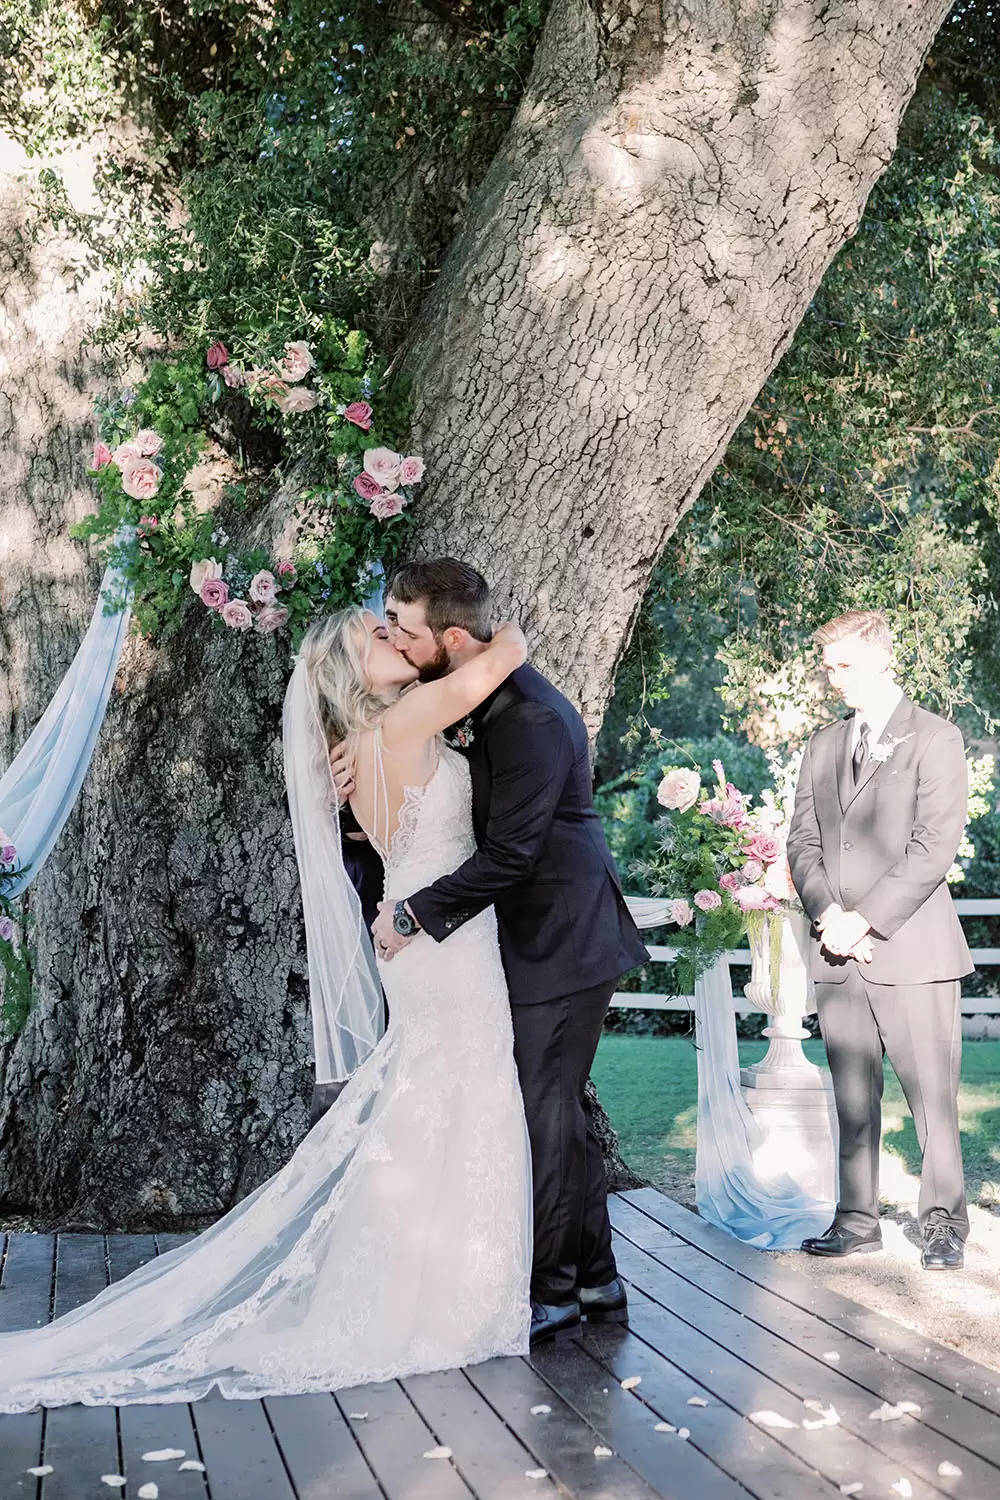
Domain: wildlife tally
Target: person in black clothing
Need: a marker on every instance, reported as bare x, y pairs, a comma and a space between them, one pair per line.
364, 870
566, 935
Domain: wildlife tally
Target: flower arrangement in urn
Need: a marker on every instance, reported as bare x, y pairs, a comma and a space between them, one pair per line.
719, 862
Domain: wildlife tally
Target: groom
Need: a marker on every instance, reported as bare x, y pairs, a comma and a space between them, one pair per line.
566, 935
879, 814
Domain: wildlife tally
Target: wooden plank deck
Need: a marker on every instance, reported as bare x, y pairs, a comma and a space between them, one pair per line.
732, 1329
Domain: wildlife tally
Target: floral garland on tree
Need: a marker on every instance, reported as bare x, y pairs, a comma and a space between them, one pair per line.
315, 403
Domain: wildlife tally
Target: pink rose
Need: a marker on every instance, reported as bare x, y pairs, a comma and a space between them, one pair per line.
145, 525
778, 881
730, 881
367, 487
679, 789
297, 361
411, 470
360, 413
234, 377
102, 455
214, 593
236, 613
730, 811
287, 572
765, 847
140, 479
707, 900
752, 898
6, 929
269, 618
752, 870
8, 854
382, 464
263, 587
124, 454
296, 400
147, 442
207, 567
217, 355
385, 505
681, 913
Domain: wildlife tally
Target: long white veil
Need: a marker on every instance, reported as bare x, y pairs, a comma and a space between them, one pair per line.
345, 995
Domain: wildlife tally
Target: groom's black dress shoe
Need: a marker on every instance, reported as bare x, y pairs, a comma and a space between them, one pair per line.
605, 1304
943, 1249
550, 1322
837, 1241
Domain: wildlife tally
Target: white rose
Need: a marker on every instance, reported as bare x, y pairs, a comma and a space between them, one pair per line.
298, 361
206, 568
679, 789
384, 465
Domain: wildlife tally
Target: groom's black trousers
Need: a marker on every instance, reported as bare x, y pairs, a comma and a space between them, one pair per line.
554, 1046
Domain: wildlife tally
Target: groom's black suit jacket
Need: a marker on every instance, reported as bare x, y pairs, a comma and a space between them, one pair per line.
543, 861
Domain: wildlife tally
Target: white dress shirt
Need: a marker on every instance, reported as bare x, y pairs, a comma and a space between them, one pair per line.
876, 718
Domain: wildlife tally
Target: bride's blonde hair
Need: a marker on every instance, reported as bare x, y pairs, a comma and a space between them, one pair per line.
335, 650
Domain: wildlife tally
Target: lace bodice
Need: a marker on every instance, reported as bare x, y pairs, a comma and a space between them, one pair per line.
434, 834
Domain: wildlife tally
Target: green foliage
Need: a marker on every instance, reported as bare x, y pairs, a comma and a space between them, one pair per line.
15, 963
627, 802
340, 541
867, 471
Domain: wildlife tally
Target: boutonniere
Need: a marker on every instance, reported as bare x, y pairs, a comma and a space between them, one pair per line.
882, 750
461, 736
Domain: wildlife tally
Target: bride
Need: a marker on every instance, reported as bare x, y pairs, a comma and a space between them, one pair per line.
398, 1237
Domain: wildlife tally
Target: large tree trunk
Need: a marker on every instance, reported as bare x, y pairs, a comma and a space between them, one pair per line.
676, 181
641, 252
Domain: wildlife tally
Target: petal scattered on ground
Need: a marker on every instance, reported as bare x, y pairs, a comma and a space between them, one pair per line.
771, 1419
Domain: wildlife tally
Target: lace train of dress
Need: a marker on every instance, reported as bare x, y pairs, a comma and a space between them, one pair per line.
398, 1237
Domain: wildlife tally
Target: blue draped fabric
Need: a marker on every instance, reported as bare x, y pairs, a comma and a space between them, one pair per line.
732, 1190
42, 782
769, 1211
40, 786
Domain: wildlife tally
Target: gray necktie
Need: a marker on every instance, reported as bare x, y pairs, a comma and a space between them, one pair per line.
860, 753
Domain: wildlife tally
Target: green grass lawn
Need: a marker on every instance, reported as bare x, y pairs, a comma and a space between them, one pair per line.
649, 1087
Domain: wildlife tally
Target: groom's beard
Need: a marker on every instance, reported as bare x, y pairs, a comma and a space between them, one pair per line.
438, 666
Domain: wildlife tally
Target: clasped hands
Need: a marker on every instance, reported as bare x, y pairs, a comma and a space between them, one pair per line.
846, 934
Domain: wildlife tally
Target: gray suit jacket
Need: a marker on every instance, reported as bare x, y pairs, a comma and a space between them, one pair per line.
884, 846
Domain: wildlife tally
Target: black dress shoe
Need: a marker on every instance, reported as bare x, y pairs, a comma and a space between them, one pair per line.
944, 1249
837, 1241
605, 1304
551, 1322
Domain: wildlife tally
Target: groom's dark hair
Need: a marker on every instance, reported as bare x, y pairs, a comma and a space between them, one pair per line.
451, 592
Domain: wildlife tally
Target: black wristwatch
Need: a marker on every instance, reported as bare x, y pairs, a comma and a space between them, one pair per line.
403, 923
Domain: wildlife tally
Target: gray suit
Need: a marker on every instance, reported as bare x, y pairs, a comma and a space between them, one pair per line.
883, 847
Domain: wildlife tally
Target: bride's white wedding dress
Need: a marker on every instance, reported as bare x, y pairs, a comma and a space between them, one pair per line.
398, 1237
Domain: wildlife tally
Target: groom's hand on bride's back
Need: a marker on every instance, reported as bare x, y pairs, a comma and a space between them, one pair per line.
342, 770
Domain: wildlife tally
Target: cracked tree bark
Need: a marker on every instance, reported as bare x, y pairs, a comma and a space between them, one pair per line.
644, 245
676, 180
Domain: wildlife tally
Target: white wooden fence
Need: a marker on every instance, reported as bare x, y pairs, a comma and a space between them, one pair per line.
971, 1004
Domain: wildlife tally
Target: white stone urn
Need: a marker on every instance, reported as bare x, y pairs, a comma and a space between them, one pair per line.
791, 1097
785, 1064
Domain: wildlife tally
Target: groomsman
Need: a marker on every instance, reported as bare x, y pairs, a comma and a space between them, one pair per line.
879, 813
